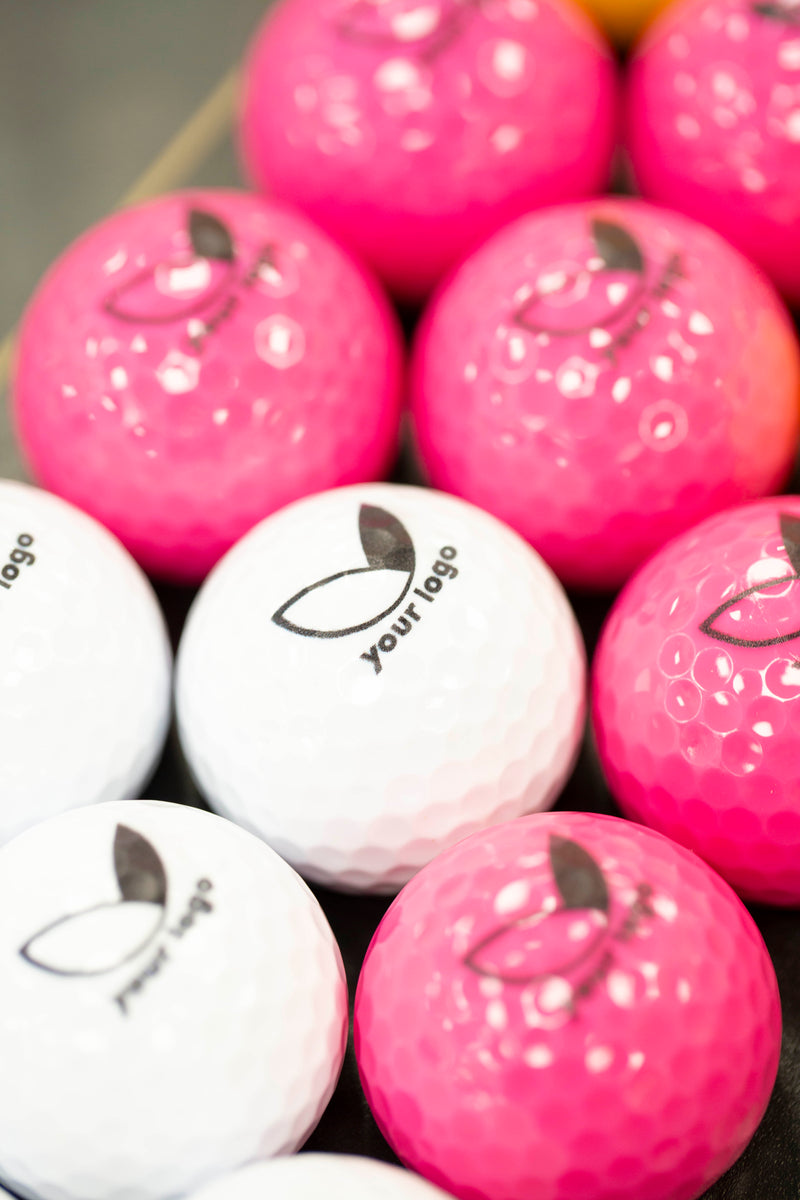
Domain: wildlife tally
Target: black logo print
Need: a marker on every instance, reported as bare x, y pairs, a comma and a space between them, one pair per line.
773, 10
747, 603
101, 938
424, 28
138, 300
387, 548
539, 945
616, 251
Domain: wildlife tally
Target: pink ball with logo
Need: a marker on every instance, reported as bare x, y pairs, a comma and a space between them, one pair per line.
413, 128
568, 1005
713, 124
696, 696
192, 364
601, 376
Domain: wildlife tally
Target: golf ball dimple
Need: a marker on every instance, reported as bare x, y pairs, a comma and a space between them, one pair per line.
191, 364
373, 673
85, 662
174, 1004
713, 124
309, 1176
413, 130
601, 376
696, 695
568, 1005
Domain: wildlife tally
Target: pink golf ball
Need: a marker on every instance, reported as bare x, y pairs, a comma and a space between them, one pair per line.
412, 129
601, 376
713, 116
697, 696
192, 364
568, 1006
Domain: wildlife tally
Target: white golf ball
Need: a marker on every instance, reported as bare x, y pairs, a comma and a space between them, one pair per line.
173, 1004
310, 1176
375, 672
86, 664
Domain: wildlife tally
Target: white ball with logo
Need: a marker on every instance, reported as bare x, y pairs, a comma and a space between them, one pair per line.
173, 1004
375, 672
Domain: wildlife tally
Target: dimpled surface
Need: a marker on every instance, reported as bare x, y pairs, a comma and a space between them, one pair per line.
412, 130
384, 711
86, 665
174, 1004
310, 1176
181, 376
602, 376
713, 115
697, 728
568, 1006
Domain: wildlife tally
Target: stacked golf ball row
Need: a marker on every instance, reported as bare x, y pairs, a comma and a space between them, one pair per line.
369, 675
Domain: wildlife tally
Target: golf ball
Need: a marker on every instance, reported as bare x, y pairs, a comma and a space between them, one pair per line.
191, 364
602, 376
309, 1176
86, 678
697, 696
174, 1004
373, 673
713, 116
413, 128
568, 1005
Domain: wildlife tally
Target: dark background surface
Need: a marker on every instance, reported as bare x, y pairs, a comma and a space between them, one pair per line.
105, 101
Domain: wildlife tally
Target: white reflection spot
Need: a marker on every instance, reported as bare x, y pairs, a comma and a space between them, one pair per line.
793, 126
763, 729
636, 1060
687, 127
116, 262
471, 372
108, 404
220, 416
576, 377
119, 378
178, 373
139, 345
664, 907
280, 341
185, 280
496, 1015
764, 569
508, 60
599, 338
789, 56
684, 991
555, 994
506, 138
538, 1057
617, 293
663, 367
599, 1058
753, 180
396, 74
700, 324
621, 389
415, 24
621, 988
513, 895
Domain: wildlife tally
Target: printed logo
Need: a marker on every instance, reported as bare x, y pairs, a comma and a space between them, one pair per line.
202, 285
19, 556
107, 935
744, 619
611, 292
357, 598
423, 28
573, 940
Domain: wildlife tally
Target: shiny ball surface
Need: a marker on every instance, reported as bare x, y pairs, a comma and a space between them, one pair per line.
372, 674
602, 376
174, 1004
194, 363
568, 1005
713, 124
696, 696
413, 130
310, 1176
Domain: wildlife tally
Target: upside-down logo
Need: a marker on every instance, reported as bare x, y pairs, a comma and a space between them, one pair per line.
745, 620
572, 940
201, 285
423, 28
105, 936
357, 598
611, 292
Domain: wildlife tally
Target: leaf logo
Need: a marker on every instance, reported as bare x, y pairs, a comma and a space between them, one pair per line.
359, 591
610, 291
182, 286
744, 620
424, 27
555, 942
101, 938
